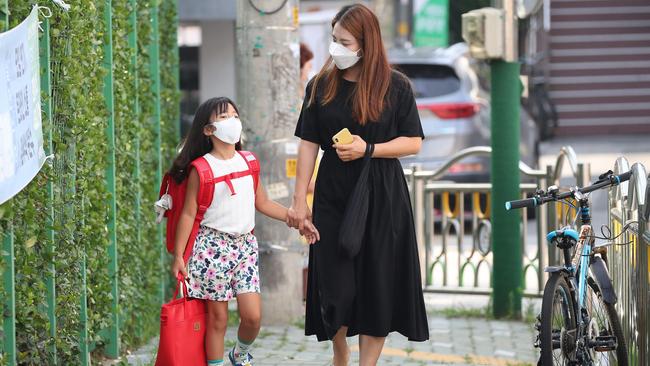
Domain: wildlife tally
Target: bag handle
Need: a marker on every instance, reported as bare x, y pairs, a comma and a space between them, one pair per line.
180, 282
370, 149
367, 156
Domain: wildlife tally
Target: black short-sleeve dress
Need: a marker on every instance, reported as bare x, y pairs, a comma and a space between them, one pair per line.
379, 291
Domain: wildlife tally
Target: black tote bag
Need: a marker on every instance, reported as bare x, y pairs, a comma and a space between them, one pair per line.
355, 216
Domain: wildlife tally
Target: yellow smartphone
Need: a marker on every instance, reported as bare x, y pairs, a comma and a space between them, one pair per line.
343, 137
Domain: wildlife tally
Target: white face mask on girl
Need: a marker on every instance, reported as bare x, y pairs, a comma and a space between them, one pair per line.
228, 130
343, 57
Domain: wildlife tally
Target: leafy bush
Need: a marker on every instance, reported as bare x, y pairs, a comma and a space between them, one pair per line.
78, 174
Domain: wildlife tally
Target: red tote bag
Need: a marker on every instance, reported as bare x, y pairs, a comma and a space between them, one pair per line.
182, 331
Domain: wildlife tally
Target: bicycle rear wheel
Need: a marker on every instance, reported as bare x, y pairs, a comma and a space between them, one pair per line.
604, 328
558, 325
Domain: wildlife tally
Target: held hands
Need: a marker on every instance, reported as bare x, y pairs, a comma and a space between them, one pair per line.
298, 214
352, 151
310, 232
299, 217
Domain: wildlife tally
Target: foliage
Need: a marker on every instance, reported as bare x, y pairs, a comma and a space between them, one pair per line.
81, 198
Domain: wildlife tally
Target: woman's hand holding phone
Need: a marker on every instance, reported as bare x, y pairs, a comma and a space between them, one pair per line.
352, 151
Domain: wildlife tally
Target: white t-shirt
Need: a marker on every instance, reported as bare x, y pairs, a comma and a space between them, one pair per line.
228, 213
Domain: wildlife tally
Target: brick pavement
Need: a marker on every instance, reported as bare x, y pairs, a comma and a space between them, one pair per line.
454, 341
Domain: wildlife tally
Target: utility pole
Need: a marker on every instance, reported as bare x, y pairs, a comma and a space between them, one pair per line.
506, 233
403, 22
268, 79
385, 10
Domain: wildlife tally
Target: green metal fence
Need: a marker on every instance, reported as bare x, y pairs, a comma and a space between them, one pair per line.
446, 249
84, 268
454, 233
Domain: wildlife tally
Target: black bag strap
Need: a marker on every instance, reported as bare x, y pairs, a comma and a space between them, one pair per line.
370, 149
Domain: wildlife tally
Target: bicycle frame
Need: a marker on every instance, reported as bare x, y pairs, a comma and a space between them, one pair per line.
583, 255
580, 262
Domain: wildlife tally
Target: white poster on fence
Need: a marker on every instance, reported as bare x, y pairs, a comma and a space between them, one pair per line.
21, 133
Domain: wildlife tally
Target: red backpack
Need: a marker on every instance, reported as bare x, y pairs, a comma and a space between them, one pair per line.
172, 206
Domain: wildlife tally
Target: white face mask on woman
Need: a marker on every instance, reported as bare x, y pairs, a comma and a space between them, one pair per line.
343, 57
228, 130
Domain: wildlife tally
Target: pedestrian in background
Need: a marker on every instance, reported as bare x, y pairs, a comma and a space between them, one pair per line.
306, 57
380, 289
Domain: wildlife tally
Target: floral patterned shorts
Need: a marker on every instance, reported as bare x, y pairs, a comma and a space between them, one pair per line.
223, 266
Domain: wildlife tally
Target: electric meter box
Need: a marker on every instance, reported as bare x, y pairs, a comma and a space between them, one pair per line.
483, 31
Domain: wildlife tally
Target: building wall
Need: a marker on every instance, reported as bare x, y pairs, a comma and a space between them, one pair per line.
600, 65
202, 10
217, 60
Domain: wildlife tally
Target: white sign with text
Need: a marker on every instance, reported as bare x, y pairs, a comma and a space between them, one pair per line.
21, 133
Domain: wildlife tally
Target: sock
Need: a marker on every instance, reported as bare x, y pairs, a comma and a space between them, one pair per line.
242, 348
215, 362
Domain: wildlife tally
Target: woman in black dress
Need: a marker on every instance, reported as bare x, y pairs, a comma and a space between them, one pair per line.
380, 290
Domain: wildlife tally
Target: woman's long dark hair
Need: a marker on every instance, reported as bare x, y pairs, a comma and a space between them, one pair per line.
368, 100
196, 143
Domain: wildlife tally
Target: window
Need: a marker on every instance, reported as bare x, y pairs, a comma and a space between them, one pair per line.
431, 80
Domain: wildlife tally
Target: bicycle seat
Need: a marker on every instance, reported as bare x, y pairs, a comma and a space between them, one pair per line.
563, 238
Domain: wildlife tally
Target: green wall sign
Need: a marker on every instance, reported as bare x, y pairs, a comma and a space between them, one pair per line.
431, 23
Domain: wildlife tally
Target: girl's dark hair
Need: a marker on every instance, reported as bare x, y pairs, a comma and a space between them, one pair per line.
196, 143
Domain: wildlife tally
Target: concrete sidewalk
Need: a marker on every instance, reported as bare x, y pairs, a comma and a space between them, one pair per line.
459, 336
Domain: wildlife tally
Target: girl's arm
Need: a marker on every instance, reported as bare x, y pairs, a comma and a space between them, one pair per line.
395, 148
269, 207
276, 211
185, 222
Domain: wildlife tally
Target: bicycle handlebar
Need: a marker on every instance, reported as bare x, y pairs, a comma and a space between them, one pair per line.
540, 199
528, 203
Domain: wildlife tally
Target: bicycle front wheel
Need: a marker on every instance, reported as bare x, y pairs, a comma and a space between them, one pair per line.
558, 325
605, 333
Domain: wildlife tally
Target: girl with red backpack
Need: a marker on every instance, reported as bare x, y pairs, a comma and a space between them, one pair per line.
221, 263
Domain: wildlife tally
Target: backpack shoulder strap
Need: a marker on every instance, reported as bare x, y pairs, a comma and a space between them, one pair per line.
206, 186
203, 200
253, 166
164, 185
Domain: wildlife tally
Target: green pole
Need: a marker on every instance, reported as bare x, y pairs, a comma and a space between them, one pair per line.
9, 319
133, 45
70, 216
46, 92
177, 115
83, 336
154, 54
83, 310
113, 347
506, 239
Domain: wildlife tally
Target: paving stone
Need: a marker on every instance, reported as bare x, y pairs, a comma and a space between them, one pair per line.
458, 338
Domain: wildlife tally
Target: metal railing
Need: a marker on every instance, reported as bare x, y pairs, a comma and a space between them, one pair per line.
629, 258
446, 250
455, 241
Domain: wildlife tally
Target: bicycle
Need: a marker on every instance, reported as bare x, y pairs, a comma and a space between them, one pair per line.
578, 324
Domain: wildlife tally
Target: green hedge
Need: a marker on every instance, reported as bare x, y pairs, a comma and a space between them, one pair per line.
81, 198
